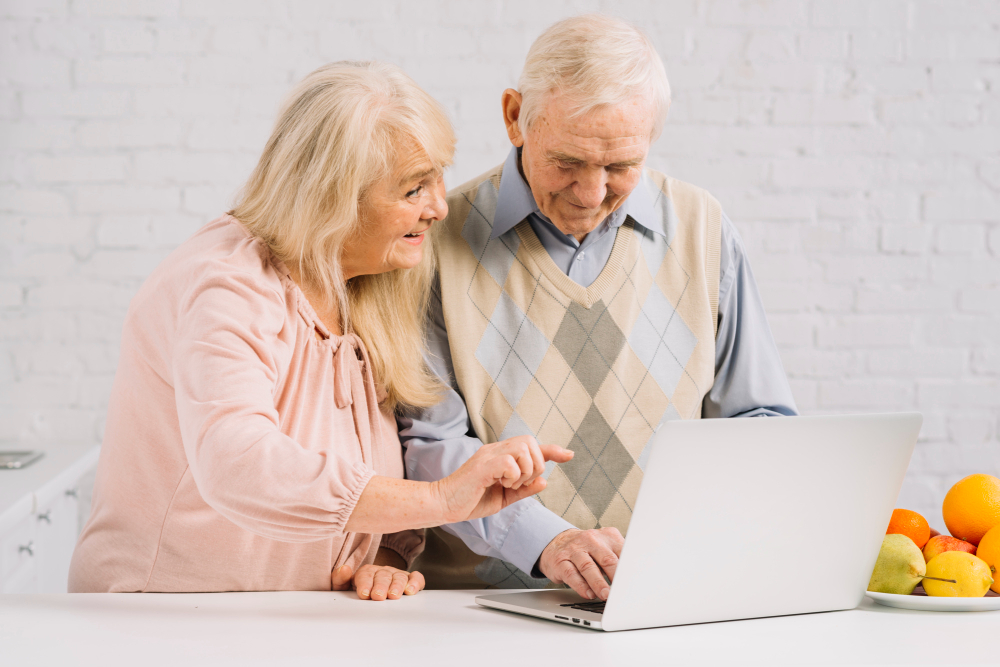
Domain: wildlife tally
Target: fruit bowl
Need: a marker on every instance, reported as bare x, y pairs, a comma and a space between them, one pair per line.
920, 601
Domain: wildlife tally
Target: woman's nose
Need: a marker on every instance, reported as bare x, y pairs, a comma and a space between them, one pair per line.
437, 208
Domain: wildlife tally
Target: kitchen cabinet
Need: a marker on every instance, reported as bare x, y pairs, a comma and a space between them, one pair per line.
39, 518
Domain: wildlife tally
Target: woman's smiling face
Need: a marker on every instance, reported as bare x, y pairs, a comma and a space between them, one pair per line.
395, 215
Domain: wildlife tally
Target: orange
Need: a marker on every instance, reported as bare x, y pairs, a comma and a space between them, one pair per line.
972, 507
911, 524
989, 551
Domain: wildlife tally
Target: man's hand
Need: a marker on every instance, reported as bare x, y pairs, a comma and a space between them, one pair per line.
581, 558
496, 476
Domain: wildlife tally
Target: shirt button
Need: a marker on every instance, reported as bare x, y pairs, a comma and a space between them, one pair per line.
580, 256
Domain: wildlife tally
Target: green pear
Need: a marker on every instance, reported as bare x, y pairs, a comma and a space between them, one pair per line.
899, 568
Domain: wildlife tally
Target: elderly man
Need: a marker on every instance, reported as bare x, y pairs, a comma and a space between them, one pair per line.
582, 300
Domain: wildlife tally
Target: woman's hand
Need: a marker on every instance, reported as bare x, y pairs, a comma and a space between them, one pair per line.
377, 582
496, 476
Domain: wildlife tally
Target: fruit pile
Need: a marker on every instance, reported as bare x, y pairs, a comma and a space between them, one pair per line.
963, 564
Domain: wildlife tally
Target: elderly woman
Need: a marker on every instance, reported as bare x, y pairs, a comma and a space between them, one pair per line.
250, 440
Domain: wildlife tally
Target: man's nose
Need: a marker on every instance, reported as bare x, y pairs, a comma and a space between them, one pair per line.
591, 187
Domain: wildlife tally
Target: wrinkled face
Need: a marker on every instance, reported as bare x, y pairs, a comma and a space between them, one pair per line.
581, 169
395, 215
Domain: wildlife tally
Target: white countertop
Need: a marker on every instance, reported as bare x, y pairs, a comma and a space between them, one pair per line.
448, 628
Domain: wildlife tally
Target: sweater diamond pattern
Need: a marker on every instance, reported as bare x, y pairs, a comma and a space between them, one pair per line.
603, 379
511, 349
600, 382
494, 255
662, 341
589, 340
594, 369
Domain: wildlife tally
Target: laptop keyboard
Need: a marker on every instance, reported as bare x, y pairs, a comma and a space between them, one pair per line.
596, 607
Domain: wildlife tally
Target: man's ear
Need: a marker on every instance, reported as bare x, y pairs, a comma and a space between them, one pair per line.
510, 101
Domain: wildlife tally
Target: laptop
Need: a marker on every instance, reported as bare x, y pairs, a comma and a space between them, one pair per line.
746, 518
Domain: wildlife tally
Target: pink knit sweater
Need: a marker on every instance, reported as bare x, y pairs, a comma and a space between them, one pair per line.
239, 435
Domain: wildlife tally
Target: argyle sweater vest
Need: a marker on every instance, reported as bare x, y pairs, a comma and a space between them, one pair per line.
593, 369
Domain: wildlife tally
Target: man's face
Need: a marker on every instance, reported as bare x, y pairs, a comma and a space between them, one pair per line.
581, 169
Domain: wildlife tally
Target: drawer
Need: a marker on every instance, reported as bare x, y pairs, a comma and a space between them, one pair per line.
16, 513
22, 580
17, 546
56, 530
39, 520
65, 482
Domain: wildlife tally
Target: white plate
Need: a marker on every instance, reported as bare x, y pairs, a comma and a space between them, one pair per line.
928, 603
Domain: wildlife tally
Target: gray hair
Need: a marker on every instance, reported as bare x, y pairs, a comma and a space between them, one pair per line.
597, 61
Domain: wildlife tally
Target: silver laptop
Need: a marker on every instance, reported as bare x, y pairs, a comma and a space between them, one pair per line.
744, 518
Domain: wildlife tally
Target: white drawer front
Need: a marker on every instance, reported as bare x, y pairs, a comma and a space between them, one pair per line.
17, 546
39, 522
21, 580
55, 535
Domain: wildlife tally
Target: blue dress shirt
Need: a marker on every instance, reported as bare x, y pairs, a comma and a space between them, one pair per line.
749, 378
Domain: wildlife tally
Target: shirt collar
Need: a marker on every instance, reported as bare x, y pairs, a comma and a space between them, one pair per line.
515, 202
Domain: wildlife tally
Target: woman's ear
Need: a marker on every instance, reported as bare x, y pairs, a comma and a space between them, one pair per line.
510, 101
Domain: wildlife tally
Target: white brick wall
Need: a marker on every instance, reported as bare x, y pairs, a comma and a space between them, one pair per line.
855, 143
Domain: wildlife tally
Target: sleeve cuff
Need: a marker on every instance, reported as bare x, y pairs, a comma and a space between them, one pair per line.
407, 543
362, 475
528, 536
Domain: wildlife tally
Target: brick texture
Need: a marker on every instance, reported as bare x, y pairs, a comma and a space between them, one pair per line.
855, 144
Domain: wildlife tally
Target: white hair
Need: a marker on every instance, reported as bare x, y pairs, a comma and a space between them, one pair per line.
597, 61
339, 133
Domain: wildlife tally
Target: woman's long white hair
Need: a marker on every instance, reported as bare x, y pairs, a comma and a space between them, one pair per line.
337, 135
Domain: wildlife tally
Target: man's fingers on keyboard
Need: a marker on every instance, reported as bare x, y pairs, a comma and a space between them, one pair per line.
592, 573
606, 559
576, 581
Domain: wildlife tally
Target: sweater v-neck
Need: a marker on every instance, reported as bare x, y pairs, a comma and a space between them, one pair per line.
585, 296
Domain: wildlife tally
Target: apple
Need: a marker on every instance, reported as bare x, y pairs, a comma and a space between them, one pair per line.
941, 543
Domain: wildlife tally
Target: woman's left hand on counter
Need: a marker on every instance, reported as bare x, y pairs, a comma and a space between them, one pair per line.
377, 582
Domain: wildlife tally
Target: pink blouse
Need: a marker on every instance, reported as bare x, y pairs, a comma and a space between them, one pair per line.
237, 440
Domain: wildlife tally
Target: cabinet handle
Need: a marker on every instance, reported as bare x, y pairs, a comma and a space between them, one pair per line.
71, 493
29, 547
45, 517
